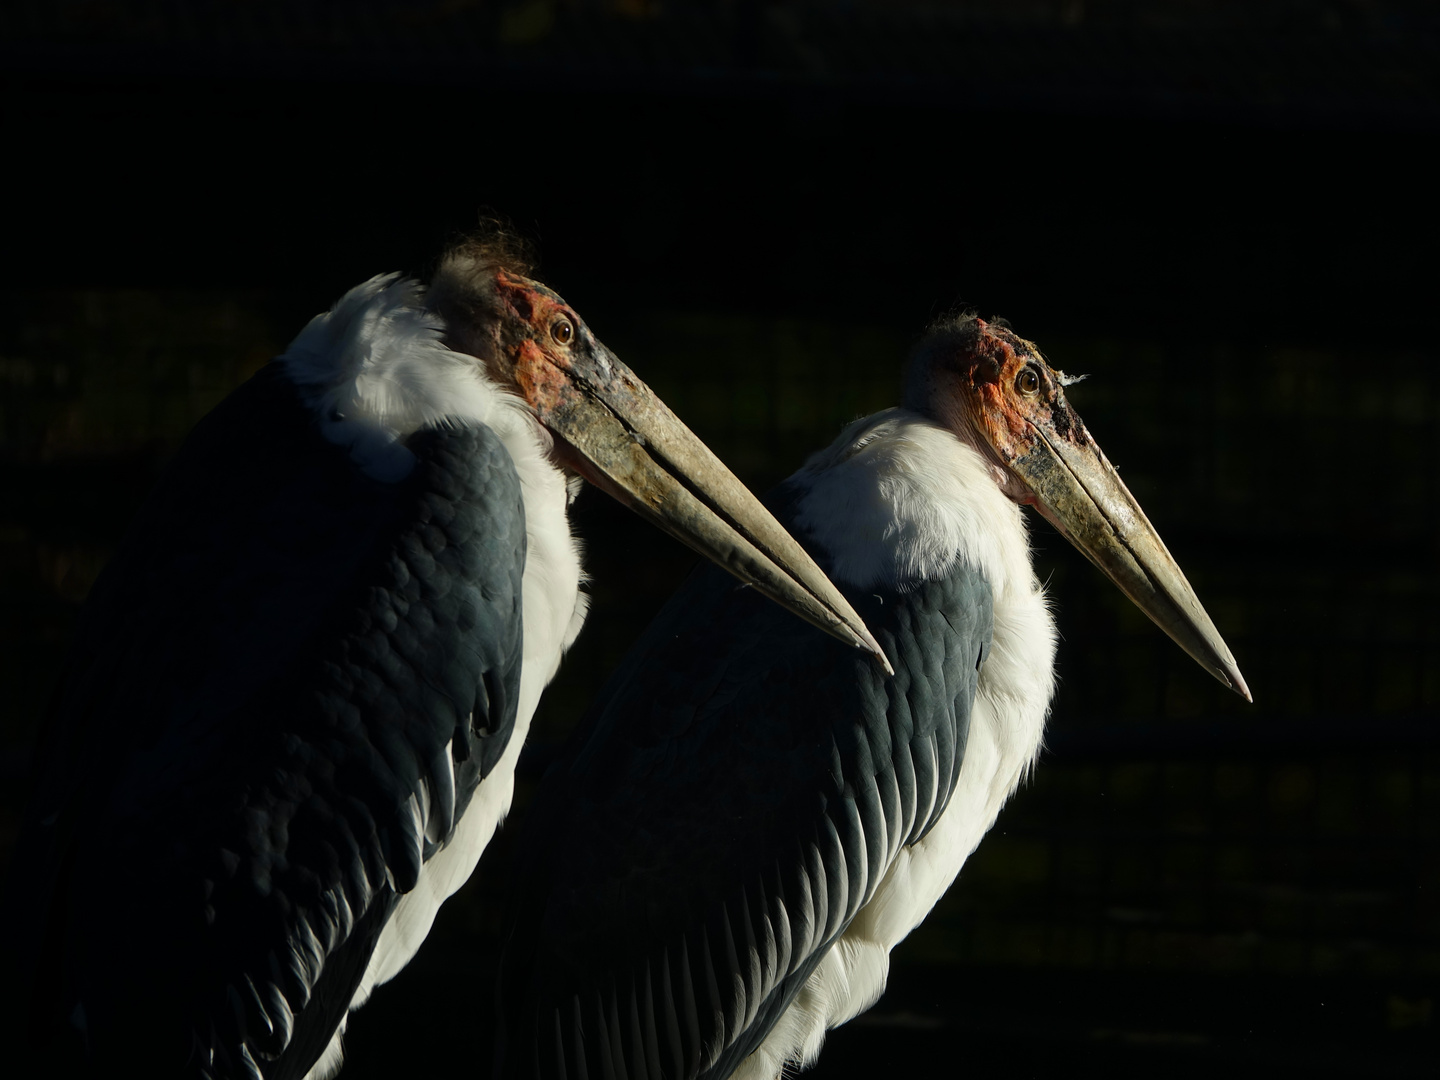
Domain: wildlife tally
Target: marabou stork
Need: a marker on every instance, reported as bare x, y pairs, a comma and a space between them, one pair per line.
750, 818
291, 715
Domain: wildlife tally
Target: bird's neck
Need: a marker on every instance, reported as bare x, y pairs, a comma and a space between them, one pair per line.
898, 499
375, 369
899, 502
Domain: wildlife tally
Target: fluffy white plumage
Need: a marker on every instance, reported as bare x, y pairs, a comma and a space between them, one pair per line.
375, 368
897, 499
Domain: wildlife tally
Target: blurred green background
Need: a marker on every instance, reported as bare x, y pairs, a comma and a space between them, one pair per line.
1219, 212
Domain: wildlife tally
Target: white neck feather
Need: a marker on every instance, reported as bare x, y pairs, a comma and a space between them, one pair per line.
897, 500
375, 369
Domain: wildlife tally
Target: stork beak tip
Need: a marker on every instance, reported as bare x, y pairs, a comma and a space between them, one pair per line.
865, 641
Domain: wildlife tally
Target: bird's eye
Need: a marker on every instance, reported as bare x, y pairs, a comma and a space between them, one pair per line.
563, 331
1027, 382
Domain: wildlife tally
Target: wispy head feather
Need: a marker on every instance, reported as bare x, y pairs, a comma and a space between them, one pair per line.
462, 287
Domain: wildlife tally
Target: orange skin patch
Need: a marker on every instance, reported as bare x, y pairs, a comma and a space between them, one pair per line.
542, 372
1013, 422
541, 380
554, 379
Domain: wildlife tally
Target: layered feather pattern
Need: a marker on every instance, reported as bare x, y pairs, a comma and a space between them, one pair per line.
752, 815
758, 784
284, 693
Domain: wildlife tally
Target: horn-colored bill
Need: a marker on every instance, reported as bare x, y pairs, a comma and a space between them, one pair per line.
624, 437
1082, 495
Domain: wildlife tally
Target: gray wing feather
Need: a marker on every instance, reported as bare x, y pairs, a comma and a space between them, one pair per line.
731, 801
270, 693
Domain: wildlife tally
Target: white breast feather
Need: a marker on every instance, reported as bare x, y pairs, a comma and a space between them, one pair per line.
897, 499
375, 369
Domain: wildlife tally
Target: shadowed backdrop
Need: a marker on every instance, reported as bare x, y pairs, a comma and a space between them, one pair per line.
1219, 212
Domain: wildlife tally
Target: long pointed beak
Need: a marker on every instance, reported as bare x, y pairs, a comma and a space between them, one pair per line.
627, 442
1080, 493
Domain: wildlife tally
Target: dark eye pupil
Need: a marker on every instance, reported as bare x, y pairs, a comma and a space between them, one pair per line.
1029, 382
564, 331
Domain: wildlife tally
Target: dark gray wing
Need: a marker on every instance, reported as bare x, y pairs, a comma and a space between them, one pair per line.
288, 669
729, 803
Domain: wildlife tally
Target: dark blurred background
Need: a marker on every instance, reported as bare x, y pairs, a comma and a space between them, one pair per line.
1221, 210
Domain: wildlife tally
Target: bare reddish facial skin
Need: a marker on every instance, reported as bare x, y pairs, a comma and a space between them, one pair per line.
541, 374
541, 380
1010, 418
